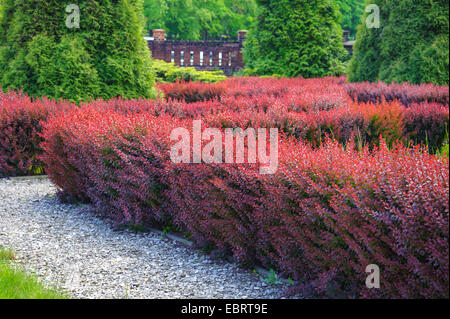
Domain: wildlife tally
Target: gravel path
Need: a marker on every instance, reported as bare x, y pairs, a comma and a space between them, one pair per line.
68, 246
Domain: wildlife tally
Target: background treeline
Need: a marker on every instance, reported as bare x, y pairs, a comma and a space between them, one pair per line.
199, 19
214, 19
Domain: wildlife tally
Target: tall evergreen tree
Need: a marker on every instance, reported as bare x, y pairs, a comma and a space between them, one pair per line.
105, 55
411, 44
296, 38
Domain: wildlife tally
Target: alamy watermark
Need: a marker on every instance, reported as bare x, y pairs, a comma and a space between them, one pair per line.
373, 18
373, 279
73, 19
229, 148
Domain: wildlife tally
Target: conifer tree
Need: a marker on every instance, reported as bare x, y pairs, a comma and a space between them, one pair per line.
296, 38
410, 45
75, 49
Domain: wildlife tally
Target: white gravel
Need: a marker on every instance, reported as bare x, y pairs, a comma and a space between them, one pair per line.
68, 246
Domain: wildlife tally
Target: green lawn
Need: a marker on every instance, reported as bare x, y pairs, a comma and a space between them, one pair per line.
16, 284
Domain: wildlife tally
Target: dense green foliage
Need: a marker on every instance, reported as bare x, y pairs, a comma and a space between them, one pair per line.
411, 44
167, 72
199, 19
296, 38
352, 12
105, 57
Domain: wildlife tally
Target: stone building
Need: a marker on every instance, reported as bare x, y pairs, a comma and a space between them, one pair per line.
203, 55
206, 55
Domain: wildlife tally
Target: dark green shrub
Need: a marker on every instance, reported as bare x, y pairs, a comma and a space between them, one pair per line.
411, 44
296, 38
352, 11
105, 57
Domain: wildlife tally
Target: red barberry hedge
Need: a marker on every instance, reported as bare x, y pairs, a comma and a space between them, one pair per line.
310, 109
339, 201
326, 214
405, 93
21, 120
307, 91
20, 123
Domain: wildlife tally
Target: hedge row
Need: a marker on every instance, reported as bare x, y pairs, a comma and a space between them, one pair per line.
425, 123
250, 87
168, 73
21, 120
405, 93
306, 109
325, 215
282, 88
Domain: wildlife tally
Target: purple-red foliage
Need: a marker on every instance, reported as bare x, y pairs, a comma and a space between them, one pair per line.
323, 217
405, 93
192, 91
427, 124
20, 123
327, 214
330, 212
365, 122
309, 109
111, 160
331, 208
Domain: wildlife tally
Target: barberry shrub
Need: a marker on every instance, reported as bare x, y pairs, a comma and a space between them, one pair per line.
326, 214
308, 109
111, 160
405, 93
20, 125
21, 119
330, 212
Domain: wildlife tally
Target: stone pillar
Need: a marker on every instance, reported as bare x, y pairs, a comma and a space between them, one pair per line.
159, 34
242, 34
